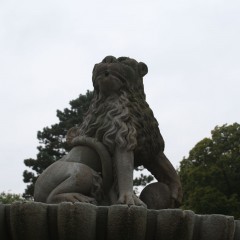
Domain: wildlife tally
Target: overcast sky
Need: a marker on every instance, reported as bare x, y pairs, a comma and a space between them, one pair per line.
48, 50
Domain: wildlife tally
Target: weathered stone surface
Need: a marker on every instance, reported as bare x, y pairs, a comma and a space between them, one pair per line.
28, 221
101, 223
151, 224
217, 227
52, 216
76, 221
118, 132
137, 218
127, 222
3, 223
237, 230
118, 226
33, 221
175, 224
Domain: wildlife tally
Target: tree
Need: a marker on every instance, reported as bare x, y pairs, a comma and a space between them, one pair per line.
210, 175
53, 145
8, 198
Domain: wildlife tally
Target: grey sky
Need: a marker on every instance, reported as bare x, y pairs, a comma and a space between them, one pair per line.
48, 49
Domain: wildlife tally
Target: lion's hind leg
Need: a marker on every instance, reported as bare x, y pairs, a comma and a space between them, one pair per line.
82, 185
71, 197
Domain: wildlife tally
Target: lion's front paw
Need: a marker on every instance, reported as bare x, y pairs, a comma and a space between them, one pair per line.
130, 199
126, 198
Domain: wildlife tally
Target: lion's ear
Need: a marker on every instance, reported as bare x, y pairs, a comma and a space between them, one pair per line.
94, 68
142, 68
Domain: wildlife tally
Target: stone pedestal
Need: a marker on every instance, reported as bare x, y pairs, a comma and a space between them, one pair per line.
67, 221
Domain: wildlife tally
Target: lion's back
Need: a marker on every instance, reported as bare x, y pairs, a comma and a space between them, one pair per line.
149, 139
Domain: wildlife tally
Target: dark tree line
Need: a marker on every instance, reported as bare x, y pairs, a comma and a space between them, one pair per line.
211, 174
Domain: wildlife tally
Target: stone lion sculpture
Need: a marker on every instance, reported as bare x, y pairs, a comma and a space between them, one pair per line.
118, 133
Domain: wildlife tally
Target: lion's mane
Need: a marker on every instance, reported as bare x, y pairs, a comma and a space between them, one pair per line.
126, 120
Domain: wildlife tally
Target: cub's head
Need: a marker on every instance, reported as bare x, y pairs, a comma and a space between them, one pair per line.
115, 74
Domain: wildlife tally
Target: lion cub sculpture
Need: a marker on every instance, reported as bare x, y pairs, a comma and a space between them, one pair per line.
118, 133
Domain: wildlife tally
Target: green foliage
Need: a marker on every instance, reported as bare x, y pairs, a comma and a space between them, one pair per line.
143, 180
53, 145
8, 198
210, 176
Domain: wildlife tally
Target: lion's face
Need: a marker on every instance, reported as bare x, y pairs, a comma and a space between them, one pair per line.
113, 74
107, 79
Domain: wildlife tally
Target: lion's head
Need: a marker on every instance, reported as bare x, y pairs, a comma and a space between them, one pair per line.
113, 75
119, 113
